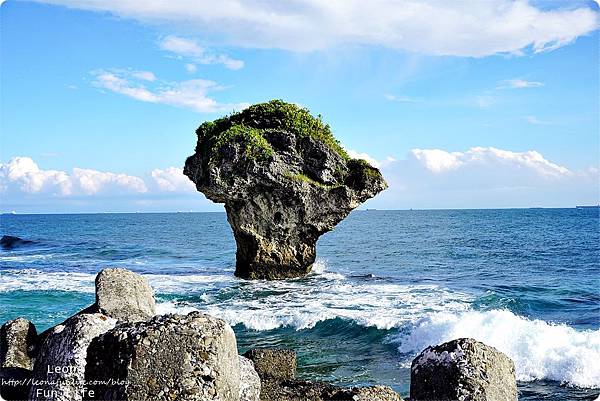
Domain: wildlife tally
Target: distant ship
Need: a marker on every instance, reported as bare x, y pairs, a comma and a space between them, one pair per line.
588, 207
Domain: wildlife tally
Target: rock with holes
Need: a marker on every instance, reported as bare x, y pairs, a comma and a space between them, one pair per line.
170, 357
60, 366
464, 370
249, 381
277, 370
18, 349
124, 295
284, 180
275, 363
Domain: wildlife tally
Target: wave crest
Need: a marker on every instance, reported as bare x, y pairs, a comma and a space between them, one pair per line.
540, 350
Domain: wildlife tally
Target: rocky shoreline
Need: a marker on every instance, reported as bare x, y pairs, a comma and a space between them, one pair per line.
118, 349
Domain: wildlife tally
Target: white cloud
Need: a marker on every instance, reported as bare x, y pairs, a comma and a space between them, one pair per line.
22, 174
25, 173
364, 156
191, 94
461, 28
400, 98
484, 101
92, 181
172, 180
191, 49
144, 75
191, 68
535, 121
518, 83
437, 160
483, 177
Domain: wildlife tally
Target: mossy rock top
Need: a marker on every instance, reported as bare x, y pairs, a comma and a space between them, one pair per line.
249, 125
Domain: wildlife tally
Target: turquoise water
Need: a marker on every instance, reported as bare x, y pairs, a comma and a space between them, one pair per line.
386, 285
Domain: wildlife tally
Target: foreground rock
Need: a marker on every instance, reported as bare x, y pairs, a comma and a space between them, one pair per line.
169, 357
61, 362
249, 381
463, 369
277, 371
123, 295
284, 180
18, 347
273, 363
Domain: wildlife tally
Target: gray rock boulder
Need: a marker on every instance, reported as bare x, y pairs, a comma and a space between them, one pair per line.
60, 365
300, 390
274, 363
277, 370
463, 369
249, 381
124, 295
18, 349
9, 242
169, 357
284, 180
18, 340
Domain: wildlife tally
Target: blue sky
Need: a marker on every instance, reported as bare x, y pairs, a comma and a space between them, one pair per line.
462, 105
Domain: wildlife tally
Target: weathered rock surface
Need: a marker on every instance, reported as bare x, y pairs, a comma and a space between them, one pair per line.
284, 180
274, 363
9, 241
18, 348
300, 390
61, 362
18, 340
277, 370
124, 295
463, 369
249, 381
169, 357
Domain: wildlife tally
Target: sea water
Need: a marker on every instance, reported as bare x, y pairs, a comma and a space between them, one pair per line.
386, 284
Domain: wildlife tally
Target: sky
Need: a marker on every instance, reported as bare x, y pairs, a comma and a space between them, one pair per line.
466, 104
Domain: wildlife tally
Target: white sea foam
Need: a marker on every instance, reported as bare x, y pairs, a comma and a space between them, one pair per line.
540, 350
425, 314
25, 258
302, 304
37, 280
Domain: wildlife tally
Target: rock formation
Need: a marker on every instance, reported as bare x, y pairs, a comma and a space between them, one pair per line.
18, 347
61, 362
277, 370
249, 381
274, 363
9, 241
284, 180
124, 295
463, 369
169, 357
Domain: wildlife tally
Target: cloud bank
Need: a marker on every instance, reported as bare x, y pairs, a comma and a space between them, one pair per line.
484, 177
470, 28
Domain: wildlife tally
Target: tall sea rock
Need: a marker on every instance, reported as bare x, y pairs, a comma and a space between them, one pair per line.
284, 179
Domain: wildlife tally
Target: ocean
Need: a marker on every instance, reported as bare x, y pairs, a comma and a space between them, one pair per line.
386, 284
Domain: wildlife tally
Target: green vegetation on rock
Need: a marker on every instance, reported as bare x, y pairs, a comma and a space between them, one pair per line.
305, 178
247, 127
365, 167
256, 146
